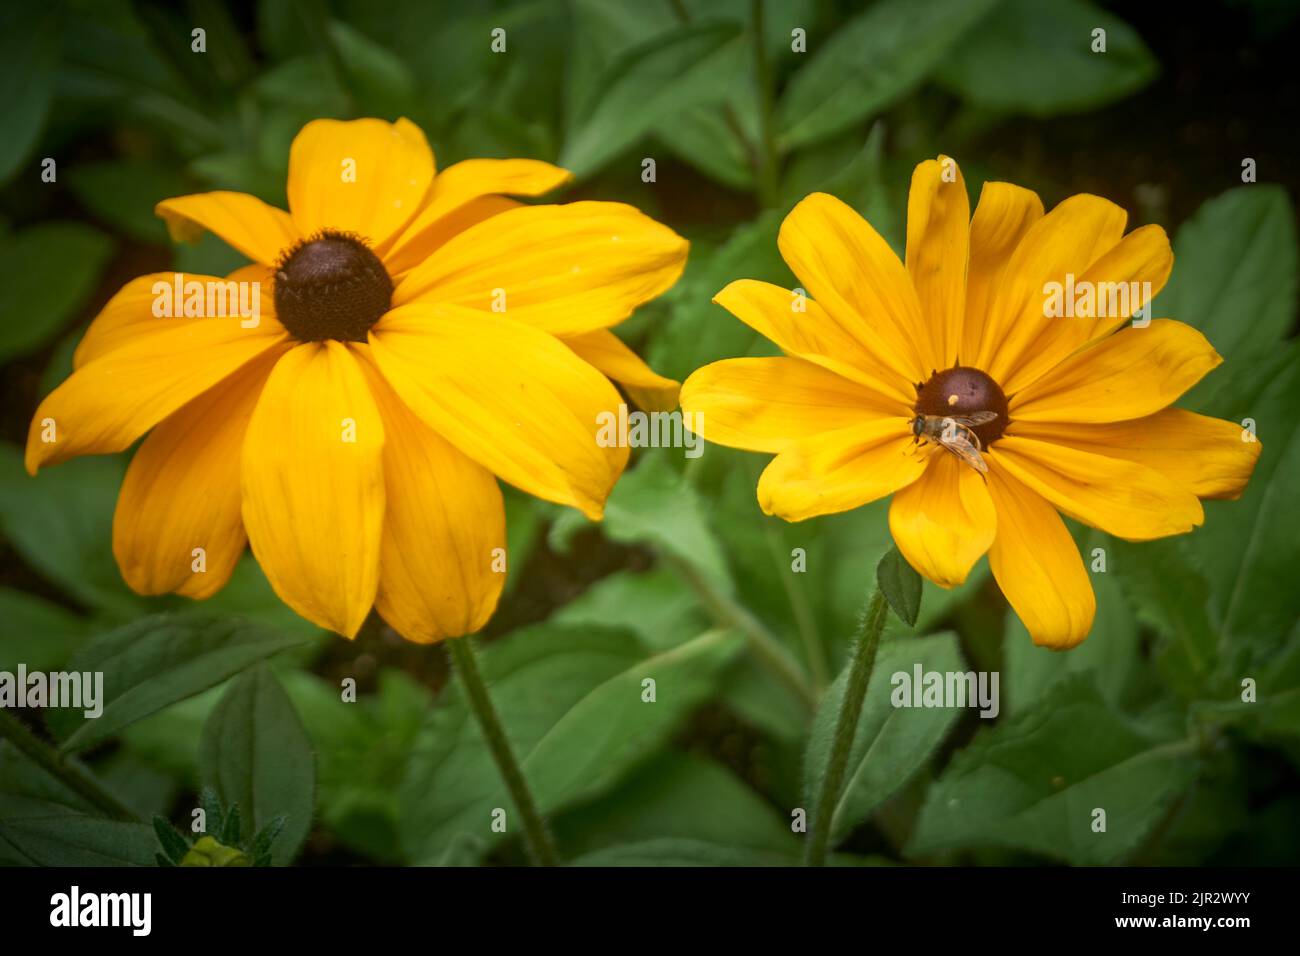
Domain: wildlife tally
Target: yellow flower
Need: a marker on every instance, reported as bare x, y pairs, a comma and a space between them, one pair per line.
1083, 424
419, 334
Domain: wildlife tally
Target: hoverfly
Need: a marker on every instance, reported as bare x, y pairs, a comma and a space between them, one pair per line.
954, 432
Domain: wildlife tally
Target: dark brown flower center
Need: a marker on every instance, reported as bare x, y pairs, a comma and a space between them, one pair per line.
331, 286
960, 391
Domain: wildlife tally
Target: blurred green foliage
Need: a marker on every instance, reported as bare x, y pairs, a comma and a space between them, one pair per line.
695, 587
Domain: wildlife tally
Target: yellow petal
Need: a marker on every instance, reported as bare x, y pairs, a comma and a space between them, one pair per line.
313, 485
605, 351
1002, 217
1208, 456
943, 522
852, 273
462, 185
1124, 498
802, 328
129, 314
765, 404
442, 561
565, 269
1122, 282
113, 399
1135, 372
364, 176
1037, 566
840, 470
181, 493
938, 248
511, 397
256, 229
1067, 240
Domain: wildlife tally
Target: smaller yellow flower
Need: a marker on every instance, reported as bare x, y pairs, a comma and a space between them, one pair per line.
420, 335
1044, 414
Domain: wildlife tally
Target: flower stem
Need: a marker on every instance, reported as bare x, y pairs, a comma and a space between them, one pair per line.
537, 836
855, 691
75, 777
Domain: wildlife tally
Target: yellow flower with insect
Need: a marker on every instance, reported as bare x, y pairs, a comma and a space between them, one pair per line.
988, 383
414, 335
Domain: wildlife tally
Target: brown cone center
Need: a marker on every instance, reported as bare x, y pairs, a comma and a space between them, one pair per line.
331, 287
960, 391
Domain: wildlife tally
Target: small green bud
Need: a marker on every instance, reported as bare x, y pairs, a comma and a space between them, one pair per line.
208, 852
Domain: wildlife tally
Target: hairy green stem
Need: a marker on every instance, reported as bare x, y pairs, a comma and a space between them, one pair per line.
846, 726
537, 836
75, 777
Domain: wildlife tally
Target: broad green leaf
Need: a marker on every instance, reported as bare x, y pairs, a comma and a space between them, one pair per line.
655, 604
157, 661
652, 504
679, 796
1110, 651
543, 681
29, 57
63, 840
901, 585
891, 743
869, 63
37, 633
1234, 278
1037, 58
61, 522
1033, 783
255, 753
123, 192
29, 790
47, 272
1248, 549
663, 77
612, 728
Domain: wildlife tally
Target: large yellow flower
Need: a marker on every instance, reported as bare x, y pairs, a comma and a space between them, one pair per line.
1083, 424
419, 334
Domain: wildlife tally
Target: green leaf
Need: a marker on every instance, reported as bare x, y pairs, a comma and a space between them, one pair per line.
37, 633
123, 192
869, 63
891, 743
1037, 58
170, 839
64, 840
1033, 782
61, 522
1248, 549
1235, 279
47, 272
655, 604
29, 57
157, 661
1110, 652
680, 796
613, 727
537, 676
667, 75
653, 504
679, 852
255, 753
901, 585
